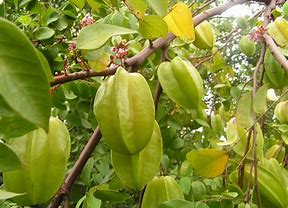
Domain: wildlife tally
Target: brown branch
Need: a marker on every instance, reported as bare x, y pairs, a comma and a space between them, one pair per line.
276, 52
159, 90
270, 42
255, 160
242, 164
141, 197
248, 195
145, 53
82, 75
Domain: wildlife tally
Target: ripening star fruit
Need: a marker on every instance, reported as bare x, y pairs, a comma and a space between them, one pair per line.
271, 182
204, 36
161, 189
278, 30
275, 74
125, 112
45, 158
180, 21
135, 171
277, 151
182, 82
247, 46
281, 112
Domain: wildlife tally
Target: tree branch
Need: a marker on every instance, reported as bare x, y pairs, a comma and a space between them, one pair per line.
145, 53
77, 168
255, 160
82, 75
270, 42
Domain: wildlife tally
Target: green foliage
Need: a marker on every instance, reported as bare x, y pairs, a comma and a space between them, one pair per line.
9, 159
23, 82
95, 36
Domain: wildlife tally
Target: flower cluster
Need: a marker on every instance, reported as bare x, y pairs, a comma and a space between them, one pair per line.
87, 20
120, 53
257, 36
72, 47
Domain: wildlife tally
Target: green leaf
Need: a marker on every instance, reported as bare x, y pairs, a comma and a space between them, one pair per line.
24, 3
159, 6
208, 162
44, 33
86, 173
201, 205
2, 9
25, 20
260, 100
80, 202
15, 126
230, 194
111, 195
8, 158
185, 184
8, 195
101, 62
23, 83
94, 4
114, 3
94, 36
78, 3
244, 114
61, 23
177, 203
46, 66
202, 123
153, 26
91, 201
233, 133
11, 123
198, 190
240, 146
137, 6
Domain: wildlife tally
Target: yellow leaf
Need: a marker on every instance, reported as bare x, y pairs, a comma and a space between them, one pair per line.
180, 21
100, 63
208, 162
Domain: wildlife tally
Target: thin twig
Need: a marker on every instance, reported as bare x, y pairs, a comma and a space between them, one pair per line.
207, 3
77, 168
242, 164
159, 90
255, 160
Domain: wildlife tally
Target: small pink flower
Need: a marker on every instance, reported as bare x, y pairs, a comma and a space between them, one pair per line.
257, 35
72, 46
87, 20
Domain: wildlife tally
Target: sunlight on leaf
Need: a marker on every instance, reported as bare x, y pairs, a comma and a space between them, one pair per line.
208, 162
